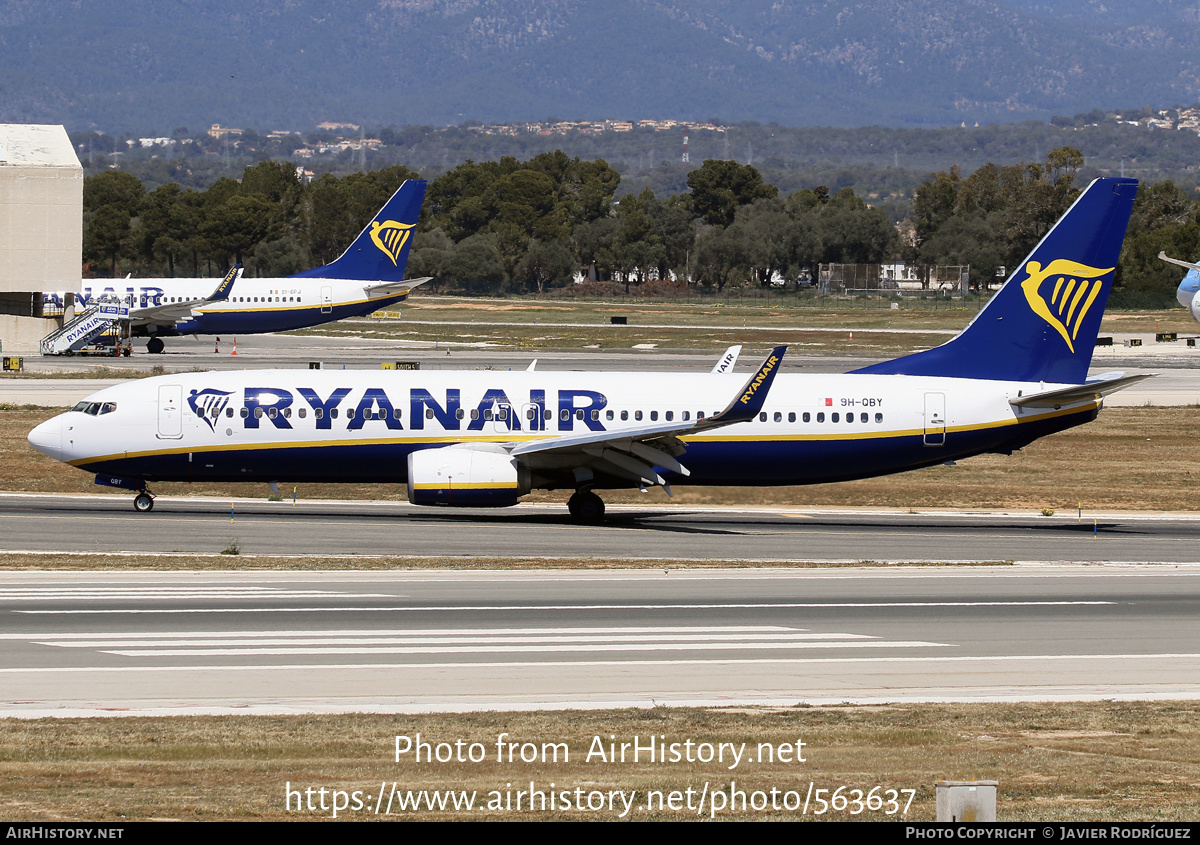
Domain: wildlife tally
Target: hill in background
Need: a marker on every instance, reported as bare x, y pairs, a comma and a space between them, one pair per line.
143, 66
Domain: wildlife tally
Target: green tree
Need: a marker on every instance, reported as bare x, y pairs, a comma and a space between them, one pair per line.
719, 187
111, 202
546, 264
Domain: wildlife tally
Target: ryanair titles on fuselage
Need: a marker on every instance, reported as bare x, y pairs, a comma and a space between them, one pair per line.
262, 407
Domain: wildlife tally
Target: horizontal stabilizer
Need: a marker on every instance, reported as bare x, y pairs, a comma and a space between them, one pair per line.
1097, 388
395, 288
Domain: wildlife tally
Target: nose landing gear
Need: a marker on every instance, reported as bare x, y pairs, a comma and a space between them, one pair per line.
143, 502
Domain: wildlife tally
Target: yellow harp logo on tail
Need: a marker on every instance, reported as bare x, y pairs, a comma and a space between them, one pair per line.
1075, 288
390, 237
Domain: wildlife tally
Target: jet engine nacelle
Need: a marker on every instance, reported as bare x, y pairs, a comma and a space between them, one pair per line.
466, 476
1194, 307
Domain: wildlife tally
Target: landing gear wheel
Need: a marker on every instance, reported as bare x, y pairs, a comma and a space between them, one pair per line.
586, 507
155, 345
143, 503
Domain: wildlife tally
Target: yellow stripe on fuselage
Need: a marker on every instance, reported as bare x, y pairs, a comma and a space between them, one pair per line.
520, 438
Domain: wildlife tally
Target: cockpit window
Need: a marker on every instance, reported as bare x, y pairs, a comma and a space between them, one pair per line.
95, 408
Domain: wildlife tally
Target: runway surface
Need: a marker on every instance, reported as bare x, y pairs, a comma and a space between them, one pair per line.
109, 643
176, 642
1177, 383
108, 523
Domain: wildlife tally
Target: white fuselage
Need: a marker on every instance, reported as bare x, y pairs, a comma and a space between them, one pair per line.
287, 425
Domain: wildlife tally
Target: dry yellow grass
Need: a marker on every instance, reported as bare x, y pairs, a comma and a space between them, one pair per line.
1070, 762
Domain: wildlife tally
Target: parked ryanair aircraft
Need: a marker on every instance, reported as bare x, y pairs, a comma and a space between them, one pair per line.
1016, 373
368, 276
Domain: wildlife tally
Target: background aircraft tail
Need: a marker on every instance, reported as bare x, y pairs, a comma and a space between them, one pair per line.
380, 252
1042, 324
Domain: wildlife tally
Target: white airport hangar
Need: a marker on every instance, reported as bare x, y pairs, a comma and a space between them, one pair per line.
41, 229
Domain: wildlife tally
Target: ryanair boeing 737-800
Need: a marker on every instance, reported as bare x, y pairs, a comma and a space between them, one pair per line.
368, 276
1016, 373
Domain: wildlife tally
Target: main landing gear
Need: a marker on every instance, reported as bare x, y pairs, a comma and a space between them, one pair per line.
586, 507
143, 502
154, 346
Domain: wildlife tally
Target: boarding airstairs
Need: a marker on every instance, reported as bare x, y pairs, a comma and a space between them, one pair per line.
103, 316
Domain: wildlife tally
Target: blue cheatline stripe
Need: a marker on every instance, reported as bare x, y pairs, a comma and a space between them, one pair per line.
281, 319
714, 461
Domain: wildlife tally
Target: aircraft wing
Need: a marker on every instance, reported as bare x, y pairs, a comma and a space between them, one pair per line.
1186, 264
1097, 388
636, 453
389, 288
171, 313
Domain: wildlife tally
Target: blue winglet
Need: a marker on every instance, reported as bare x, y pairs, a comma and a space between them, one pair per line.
753, 394
223, 289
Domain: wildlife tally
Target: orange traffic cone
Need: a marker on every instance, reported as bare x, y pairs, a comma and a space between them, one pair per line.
217, 346
234, 346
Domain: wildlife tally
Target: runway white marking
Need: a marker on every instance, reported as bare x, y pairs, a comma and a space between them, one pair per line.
771, 661
189, 593
577, 607
513, 641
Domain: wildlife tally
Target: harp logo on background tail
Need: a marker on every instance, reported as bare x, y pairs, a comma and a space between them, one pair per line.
1074, 291
390, 237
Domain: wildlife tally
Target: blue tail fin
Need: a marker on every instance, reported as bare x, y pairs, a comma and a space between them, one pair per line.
1042, 324
380, 252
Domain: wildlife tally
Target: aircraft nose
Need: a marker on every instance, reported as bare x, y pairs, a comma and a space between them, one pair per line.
1188, 288
47, 438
